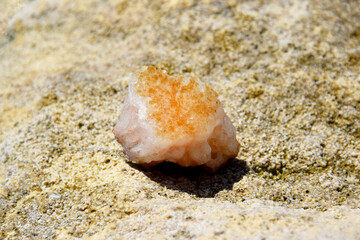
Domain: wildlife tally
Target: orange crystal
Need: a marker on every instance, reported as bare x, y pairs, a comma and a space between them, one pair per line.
179, 106
175, 119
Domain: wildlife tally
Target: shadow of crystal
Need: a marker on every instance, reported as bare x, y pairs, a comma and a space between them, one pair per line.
196, 181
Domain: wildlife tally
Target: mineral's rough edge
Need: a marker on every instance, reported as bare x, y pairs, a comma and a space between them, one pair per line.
287, 72
175, 119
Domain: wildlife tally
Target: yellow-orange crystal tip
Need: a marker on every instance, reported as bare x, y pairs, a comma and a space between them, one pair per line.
175, 119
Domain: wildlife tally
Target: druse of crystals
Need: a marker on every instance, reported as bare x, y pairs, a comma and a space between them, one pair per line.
174, 119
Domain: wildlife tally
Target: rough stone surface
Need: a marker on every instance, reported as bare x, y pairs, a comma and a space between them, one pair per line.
286, 71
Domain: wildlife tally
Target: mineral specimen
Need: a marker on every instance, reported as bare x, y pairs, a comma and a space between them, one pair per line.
174, 119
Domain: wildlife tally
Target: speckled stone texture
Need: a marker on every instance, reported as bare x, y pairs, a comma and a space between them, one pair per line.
287, 73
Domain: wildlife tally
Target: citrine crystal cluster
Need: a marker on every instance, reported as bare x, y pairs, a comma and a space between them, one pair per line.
175, 119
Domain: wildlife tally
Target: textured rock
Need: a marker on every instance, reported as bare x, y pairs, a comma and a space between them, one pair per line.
287, 73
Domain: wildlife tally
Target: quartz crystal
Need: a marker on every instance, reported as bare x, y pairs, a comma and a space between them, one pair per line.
174, 119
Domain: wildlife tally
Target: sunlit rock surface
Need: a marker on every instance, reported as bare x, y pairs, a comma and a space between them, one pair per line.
287, 73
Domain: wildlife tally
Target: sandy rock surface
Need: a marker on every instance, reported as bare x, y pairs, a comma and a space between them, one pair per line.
287, 73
